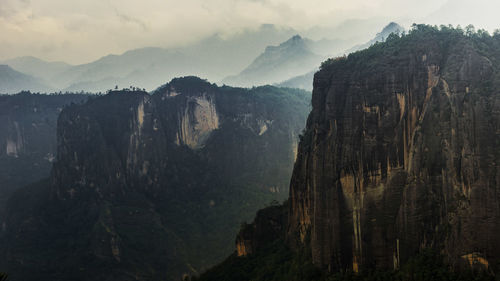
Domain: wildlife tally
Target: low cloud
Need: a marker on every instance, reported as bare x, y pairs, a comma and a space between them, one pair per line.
96, 27
129, 19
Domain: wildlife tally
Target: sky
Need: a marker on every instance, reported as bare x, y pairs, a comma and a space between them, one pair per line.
79, 31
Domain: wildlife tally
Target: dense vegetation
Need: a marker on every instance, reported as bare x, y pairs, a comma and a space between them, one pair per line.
28, 120
448, 47
397, 45
277, 263
179, 215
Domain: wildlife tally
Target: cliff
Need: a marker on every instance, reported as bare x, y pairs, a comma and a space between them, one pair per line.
400, 154
399, 158
28, 138
154, 186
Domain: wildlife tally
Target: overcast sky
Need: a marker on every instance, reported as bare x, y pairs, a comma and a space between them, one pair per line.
79, 31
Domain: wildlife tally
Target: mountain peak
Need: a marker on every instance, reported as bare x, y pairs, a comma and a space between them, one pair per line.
186, 85
296, 39
392, 27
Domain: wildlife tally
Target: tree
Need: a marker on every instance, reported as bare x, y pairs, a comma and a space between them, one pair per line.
470, 30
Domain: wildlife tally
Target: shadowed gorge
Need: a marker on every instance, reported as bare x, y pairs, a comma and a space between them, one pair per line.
28, 138
152, 187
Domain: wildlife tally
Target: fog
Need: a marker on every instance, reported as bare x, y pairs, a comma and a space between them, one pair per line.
82, 31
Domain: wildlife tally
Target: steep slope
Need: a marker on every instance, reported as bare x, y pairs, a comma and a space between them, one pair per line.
277, 63
409, 130
399, 157
12, 82
28, 138
151, 187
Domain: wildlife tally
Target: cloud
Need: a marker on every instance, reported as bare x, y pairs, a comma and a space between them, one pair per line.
129, 19
95, 28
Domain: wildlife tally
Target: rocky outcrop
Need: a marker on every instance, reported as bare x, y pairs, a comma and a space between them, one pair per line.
197, 122
154, 186
400, 154
268, 226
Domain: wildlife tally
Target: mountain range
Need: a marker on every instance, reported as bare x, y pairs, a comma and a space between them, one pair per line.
277, 63
238, 60
12, 81
304, 81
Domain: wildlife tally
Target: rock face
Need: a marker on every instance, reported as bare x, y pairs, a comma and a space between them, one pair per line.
401, 153
197, 122
269, 225
152, 187
28, 138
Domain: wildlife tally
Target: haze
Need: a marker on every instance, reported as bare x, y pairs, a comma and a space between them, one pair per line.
81, 31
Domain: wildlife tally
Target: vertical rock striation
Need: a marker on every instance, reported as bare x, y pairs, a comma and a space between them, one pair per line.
400, 154
153, 186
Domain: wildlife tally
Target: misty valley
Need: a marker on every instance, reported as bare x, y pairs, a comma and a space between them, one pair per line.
366, 150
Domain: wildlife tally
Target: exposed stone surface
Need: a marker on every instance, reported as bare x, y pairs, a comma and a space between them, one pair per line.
400, 154
153, 187
268, 226
28, 138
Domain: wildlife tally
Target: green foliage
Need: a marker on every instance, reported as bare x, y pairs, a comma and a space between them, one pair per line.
278, 263
274, 263
415, 39
183, 223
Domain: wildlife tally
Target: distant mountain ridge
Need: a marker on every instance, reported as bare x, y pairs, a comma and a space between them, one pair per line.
214, 57
380, 37
305, 81
277, 63
38, 68
12, 81
268, 55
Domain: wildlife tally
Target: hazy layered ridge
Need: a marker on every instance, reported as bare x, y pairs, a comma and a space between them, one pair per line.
12, 81
305, 80
278, 63
214, 57
253, 54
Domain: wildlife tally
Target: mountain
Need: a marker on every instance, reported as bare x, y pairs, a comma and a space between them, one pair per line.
380, 37
46, 71
214, 57
304, 81
277, 63
396, 175
12, 82
28, 138
153, 186
121, 70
